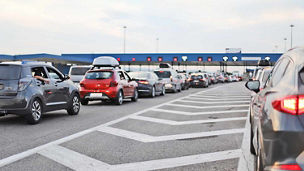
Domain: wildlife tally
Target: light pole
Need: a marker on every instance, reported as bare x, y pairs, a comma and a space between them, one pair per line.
291, 26
285, 40
124, 43
157, 41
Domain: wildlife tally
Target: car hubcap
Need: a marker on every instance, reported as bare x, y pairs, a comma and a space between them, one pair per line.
153, 92
120, 98
136, 94
76, 104
36, 110
164, 91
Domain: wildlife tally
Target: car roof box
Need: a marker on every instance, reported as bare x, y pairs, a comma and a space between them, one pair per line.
105, 61
164, 65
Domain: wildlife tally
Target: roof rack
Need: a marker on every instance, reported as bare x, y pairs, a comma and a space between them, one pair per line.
105, 62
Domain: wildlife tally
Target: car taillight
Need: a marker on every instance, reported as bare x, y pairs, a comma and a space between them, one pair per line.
287, 167
23, 84
203, 79
171, 78
143, 82
81, 85
113, 83
291, 104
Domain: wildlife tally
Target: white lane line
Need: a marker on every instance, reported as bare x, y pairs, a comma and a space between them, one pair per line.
170, 122
179, 161
29, 152
229, 102
208, 99
198, 113
148, 138
206, 107
72, 159
216, 97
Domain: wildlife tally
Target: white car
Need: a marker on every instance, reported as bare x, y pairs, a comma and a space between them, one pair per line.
77, 73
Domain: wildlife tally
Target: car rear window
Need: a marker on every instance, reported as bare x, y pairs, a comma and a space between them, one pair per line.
139, 75
79, 70
163, 74
12, 72
99, 75
196, 77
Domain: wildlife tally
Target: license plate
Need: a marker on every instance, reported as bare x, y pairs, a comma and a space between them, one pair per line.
1, 86
196, 81
96, 95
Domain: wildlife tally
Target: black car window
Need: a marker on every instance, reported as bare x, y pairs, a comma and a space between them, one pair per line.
54, 74
279, 71
121, 75
196, 77
127, 76
139, 75
96, 75
12, 72
39, 71
163, 74
79, 70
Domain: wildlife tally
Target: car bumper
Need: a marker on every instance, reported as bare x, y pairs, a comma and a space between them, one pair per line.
170, 87
144, 89
198, 84
14, 104
105, 94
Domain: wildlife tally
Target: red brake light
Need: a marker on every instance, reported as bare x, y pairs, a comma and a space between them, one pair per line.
81, 85
291, 104
287, 167
143, 82
113, 83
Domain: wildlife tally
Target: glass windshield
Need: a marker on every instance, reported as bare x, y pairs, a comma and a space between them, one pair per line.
163, 74
12, 72
196, 77
99, 75
139, 75
79, 70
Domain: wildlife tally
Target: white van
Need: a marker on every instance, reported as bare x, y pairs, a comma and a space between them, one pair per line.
76, 73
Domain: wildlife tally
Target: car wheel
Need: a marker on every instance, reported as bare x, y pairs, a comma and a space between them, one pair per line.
180, 88
152, 92
119, 99
74, 106
135, 96
35, 112
163, 91
175, 89
84, 102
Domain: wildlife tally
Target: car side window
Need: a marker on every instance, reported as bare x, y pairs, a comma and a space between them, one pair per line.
121, 75
279, 71
39, 71
54, 74
127, 77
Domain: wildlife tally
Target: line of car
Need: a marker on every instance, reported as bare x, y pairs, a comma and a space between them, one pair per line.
276, 113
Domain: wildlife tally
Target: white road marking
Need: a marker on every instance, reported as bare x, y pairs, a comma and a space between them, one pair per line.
179, 161
199, 113
148, 138
218, 97
201, 102
170, 122
72, 159
29, 152
208, 99
206, 107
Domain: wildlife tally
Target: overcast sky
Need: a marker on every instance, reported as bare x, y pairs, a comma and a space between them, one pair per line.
96, 26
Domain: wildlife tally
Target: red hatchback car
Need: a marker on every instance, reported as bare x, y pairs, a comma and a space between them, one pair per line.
107, 85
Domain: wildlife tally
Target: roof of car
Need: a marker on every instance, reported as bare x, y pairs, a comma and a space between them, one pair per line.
25, 65
296, 54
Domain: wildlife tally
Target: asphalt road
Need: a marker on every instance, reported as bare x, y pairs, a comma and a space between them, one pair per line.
197, 129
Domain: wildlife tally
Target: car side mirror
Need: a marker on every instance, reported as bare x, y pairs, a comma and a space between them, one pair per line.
253, 85
66, 77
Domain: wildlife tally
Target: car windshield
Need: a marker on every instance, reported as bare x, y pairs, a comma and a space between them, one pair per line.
12, 72
79, 70
99, 75
139, 75
196, 77
163, 74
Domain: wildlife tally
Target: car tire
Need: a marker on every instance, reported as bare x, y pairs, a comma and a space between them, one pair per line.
175, 89
135, 96
163, 91
119, 98
152, 95
35, 112
180, 88
74, 106
84, 102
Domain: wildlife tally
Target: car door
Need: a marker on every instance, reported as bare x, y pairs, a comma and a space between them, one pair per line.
124, 84
48, 89
62, 88
158, 82
131, 86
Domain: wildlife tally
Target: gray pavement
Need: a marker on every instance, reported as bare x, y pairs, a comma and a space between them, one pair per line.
197, 129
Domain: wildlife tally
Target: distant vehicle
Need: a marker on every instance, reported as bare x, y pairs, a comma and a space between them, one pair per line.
106, 82
234, 78
220, 77
30, 90
185, 81
199, 80
213, 78
277, 120
170, 78
148, 83
77, 73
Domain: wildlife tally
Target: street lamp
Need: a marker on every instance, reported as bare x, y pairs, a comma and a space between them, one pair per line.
285, 40
291, 26
124, 43
157, 44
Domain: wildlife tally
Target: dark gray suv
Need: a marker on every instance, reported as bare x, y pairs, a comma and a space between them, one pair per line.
32, 89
